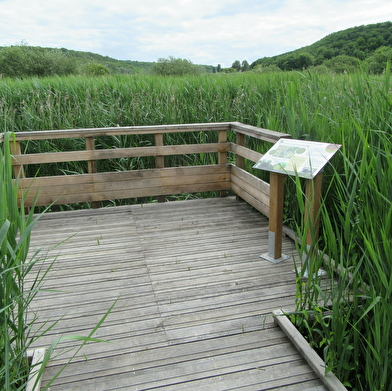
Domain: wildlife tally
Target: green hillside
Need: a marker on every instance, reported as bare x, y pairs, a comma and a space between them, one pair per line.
27, 61
368, 45
118, 66
115, 66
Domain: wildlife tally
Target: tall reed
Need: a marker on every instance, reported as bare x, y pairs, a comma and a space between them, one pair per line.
21, 278
15, 264
351, 320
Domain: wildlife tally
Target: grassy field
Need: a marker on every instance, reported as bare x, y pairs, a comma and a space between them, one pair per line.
353, 110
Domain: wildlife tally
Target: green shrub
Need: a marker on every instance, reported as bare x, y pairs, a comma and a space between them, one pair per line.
175, 67
25, 61
377, 63
266, 69
343, 63
94, 69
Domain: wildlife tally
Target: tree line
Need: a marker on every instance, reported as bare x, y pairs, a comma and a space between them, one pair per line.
21, 61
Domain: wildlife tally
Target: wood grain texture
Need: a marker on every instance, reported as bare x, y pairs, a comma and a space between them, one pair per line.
195, 299
67, 189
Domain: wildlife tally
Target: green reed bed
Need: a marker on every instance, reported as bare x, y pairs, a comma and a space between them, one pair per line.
352, 327
15, 264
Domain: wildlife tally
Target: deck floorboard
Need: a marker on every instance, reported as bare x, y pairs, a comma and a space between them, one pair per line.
194, 299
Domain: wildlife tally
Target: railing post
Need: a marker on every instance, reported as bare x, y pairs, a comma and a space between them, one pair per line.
159, 160
222, 156
276, 204
240, 160
91, 164
17, 169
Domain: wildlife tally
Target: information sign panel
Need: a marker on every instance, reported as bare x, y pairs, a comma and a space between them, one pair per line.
297, 157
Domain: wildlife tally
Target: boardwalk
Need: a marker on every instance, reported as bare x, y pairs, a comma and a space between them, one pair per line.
194, 299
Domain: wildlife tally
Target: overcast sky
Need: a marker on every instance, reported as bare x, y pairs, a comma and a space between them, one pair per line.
204, 31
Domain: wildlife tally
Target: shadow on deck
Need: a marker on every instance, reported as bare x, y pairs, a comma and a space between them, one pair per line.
194, 299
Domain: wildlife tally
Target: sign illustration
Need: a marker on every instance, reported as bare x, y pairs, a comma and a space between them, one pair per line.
297, 157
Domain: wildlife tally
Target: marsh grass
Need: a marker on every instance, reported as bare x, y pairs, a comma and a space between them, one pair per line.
350, 321
15, 231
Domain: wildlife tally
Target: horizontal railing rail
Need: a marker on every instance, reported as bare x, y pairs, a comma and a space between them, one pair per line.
228, 173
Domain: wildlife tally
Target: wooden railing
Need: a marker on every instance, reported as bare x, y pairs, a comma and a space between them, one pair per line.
96, 186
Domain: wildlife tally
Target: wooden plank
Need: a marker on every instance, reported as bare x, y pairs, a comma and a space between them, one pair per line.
194, 299
173, 354
259, 133
250, 188
251, 184
223, 375
313, 359
117, 131
99, 154
125, 184
255, 202
246, 153
125, 175
82, 193
253, 131
37, 357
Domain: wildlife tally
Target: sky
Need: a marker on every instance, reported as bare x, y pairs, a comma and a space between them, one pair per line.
206, 32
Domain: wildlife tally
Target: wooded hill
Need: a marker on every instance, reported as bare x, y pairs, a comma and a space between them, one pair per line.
368, 45
22, 60
115, 66
26, 61
118, 66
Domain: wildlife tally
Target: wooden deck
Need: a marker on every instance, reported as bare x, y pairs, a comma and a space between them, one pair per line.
194, 299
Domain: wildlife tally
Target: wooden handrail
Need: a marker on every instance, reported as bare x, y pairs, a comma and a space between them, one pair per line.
94, 186
271, 136
102, 154
248, 130
118, 131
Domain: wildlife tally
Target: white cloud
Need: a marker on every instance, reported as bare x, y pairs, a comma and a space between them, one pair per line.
204, 31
